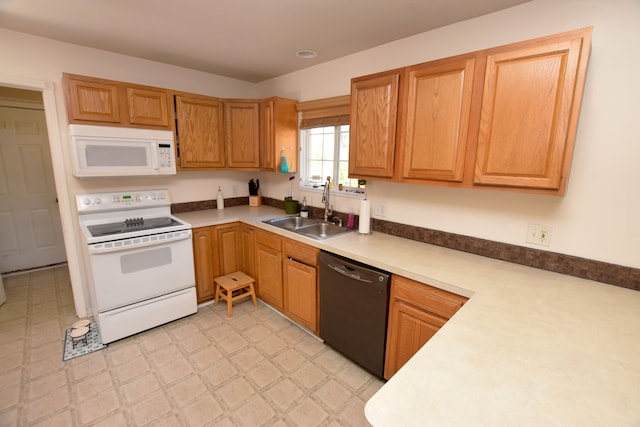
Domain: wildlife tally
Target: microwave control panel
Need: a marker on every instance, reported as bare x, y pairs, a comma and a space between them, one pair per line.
165, 156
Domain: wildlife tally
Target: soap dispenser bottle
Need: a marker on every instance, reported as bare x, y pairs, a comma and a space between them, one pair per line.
284, 166
304, 211
220, 200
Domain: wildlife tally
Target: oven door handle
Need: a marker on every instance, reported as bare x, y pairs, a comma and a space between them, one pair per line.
139, 242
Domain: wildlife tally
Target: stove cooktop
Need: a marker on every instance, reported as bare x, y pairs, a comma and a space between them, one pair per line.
131, 225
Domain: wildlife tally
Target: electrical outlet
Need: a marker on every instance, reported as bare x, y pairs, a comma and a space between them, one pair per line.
235, 190
539, 234
380, 210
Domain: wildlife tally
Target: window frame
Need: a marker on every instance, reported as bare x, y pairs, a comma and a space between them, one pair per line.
305, 174
327, 112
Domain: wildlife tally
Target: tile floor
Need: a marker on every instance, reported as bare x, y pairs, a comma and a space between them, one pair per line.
254, 369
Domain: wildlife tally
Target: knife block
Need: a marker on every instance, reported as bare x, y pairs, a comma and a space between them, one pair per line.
255, 200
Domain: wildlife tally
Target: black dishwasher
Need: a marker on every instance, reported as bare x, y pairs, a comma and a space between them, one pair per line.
354, 303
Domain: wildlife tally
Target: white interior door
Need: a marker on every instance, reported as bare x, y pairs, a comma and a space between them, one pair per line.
30, 228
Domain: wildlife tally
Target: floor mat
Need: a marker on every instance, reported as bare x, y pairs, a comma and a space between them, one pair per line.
92, 343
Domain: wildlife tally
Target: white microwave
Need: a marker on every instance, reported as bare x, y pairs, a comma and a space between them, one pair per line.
115, 151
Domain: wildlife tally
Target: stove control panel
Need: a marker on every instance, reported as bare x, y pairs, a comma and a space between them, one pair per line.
103, 202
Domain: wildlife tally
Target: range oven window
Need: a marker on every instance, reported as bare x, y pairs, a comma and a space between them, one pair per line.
154, 258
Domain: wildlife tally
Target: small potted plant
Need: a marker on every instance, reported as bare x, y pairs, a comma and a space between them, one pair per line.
290, 205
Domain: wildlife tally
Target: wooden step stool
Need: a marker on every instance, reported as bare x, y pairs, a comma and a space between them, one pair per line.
237, 282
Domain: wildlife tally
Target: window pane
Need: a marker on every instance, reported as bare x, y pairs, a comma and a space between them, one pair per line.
315, 168
328, 155
315, 147
344, 146
327, 170
343, 171
328, 151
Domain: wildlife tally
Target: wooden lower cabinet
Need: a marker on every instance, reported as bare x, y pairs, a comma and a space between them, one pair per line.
268, 264
416, 312
204, 249
285, 271
300, 284
287, 277
248, 250
219, 250
230, 253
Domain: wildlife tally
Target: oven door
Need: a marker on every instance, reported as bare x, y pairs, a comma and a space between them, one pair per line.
134, 270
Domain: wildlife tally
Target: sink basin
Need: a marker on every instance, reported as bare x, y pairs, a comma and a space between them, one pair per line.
314, 228
322, 230
292, 222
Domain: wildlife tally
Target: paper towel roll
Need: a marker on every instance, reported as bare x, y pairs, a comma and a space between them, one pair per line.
364, 223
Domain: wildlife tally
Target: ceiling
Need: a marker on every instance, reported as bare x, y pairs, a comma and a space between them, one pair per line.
251, 40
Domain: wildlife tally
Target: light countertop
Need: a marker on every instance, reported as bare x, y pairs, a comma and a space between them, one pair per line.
529, 348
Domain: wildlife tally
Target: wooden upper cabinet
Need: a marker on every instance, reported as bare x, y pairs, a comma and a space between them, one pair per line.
374, 111
530, 107
92, 101
242, 131
105, 102
279, 123
200, 130
148, 107
437, 119
503, 118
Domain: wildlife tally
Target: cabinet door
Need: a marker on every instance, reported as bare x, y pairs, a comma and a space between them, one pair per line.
148, 107
242, 130
529, 113
200, 132
248, 251
229, 248
416, 312
300, 293
279, 130
437, 120
374, 111
93, 101
203, 255
269, 268
409, 329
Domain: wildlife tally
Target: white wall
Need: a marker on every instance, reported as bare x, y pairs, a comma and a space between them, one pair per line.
599, 217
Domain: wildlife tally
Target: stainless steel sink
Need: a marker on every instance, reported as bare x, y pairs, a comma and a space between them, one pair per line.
314, 228
322, 230
292, 222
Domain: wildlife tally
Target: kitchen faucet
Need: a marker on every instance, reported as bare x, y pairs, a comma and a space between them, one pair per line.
325, 199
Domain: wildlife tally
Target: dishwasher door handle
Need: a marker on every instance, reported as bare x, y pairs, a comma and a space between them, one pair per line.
344, 272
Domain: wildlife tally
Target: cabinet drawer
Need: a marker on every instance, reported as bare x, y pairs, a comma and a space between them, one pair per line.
267, 239
300, 252
426, 297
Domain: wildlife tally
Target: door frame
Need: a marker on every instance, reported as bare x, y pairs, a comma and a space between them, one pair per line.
65, 204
